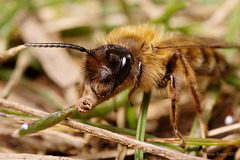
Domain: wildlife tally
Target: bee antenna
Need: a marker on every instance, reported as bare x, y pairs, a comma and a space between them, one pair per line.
60, 45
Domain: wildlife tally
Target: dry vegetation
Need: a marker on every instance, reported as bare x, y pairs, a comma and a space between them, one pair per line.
36, 81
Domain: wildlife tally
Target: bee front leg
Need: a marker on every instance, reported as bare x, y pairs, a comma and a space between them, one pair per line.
174, 95
137, 83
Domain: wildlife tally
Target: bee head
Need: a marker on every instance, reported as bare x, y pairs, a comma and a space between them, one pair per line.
107, 68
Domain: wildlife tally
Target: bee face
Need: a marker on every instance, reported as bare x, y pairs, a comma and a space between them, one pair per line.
107, 68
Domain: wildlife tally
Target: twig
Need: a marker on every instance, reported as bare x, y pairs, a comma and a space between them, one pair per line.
86, 104
21, 108
145, 147
101, 133
10, 53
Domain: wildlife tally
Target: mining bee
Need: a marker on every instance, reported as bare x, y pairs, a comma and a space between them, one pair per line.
144, 57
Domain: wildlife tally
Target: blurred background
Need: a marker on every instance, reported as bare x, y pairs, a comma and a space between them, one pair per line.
48, 79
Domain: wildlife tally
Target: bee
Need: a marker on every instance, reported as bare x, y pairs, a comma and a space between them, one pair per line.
144, 57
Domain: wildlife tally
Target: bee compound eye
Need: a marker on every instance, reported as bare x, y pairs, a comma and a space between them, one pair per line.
125, 68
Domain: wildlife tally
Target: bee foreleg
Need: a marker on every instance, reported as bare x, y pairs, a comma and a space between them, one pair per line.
192, 84
137, 83
81, 90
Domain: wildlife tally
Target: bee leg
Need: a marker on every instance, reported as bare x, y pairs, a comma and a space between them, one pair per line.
137, 83
81, 90
173, 114
174, 95
192, 84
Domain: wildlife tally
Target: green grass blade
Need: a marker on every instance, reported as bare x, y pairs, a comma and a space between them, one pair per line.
6, 21
45, 122
141, 125
173, 7
210, 142
233, 80
131, 117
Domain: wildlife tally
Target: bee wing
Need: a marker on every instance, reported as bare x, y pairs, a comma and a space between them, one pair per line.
180, 42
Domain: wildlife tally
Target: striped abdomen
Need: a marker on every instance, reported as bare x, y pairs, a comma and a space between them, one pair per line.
206, 61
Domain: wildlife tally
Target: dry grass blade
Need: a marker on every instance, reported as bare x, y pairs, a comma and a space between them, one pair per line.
106, 154
222, 13
101, 133
16, 118
224, 129
22, 63
8, 156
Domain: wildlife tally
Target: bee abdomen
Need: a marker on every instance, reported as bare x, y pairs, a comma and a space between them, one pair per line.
221, 66
212, 64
